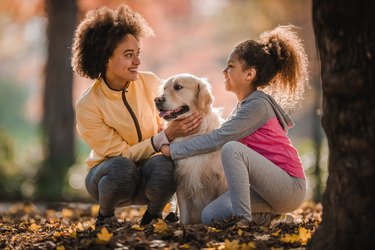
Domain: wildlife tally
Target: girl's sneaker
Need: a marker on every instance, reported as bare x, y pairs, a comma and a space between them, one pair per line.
281, 218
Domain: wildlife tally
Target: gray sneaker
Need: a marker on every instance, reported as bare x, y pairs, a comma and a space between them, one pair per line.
242, 223
281, 219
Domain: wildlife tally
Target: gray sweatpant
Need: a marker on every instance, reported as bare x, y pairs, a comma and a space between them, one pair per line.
118, 182
257, 188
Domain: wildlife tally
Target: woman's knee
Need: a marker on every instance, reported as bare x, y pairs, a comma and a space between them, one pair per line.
159, 175
123, 169
121, 176
159, 167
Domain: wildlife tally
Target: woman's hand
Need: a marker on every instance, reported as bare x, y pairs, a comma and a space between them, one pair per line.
183, 127
165, 149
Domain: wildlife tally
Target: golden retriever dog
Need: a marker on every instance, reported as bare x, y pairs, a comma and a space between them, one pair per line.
200, 178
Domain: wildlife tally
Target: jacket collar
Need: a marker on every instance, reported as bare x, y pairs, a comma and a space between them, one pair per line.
107, 90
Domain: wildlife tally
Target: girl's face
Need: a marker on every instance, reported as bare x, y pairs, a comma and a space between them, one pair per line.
235, 76
123, 65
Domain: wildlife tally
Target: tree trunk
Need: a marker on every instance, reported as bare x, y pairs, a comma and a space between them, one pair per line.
345, 36
58, 117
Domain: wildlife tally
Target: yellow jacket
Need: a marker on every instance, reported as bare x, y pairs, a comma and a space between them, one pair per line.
106, 123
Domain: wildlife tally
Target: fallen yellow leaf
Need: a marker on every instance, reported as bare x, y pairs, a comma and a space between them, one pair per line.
276, 233
60, 248
304, 235
137, 227
161, 227
56, 234
263, 237
80, 227
67, 213
232, 245
34, 227
185, 246
213, 229
94, 210
289, 238
178, 233
104, 235
248, 246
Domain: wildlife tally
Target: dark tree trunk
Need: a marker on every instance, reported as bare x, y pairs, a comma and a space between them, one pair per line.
58, 117
345, 36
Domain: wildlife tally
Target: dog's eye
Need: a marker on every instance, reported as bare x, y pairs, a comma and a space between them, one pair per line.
177, 86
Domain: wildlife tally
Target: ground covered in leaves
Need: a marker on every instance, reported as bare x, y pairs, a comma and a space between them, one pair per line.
71, 226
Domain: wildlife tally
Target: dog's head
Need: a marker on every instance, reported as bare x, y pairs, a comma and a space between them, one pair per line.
182, 95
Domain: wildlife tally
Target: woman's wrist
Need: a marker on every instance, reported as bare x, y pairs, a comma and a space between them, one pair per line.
159, 140
165, 149
168, 134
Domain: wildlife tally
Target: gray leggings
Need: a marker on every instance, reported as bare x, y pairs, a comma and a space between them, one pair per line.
257, 188
118, 182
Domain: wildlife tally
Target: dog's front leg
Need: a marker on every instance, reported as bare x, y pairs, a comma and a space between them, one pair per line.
184, 206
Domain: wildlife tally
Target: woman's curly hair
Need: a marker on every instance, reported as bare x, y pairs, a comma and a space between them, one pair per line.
281, 63
99, 33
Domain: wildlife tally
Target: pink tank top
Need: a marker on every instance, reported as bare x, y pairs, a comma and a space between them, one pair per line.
272, 142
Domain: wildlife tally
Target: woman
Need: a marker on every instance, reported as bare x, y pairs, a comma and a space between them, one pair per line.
117, 118
263, 170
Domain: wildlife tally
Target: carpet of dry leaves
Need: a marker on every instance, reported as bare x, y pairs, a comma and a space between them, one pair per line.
71, 226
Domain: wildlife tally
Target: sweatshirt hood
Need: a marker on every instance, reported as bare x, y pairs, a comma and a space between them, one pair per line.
283, 117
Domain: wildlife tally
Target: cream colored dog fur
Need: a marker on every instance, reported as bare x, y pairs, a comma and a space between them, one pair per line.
200, 178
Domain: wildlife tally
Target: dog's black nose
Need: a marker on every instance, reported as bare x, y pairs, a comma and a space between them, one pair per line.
159, 100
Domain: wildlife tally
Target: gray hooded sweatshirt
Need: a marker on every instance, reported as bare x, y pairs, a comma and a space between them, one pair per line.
247, 117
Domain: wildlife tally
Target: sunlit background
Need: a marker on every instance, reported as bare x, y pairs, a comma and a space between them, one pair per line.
193, 36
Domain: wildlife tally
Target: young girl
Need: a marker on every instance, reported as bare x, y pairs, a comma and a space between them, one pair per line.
117, 117
263, 170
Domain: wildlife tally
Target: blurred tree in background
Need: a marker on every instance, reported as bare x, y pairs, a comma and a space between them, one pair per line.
58, 115
346, 41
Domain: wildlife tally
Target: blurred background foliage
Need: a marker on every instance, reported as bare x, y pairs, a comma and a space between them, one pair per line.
192, 36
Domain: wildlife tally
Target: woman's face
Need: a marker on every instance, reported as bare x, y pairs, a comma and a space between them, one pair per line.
123, 65
234, 75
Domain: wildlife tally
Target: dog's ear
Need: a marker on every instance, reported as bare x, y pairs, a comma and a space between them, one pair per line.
205, 98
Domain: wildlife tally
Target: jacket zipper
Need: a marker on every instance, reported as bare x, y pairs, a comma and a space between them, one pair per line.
135, 120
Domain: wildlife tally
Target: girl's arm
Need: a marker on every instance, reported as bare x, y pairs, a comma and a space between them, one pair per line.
250, 115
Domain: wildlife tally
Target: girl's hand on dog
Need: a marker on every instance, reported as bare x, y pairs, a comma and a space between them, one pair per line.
183, 127
165, 149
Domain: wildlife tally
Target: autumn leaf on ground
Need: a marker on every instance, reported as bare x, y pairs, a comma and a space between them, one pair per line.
263, 237
276, 233
94, 210
213, 229
80, 227
68, 213
104, 235
178, 233
289, 238
137, 227
303, 236
55, 229
248, 246
34, 227
185, 246
232, 245
161, 227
